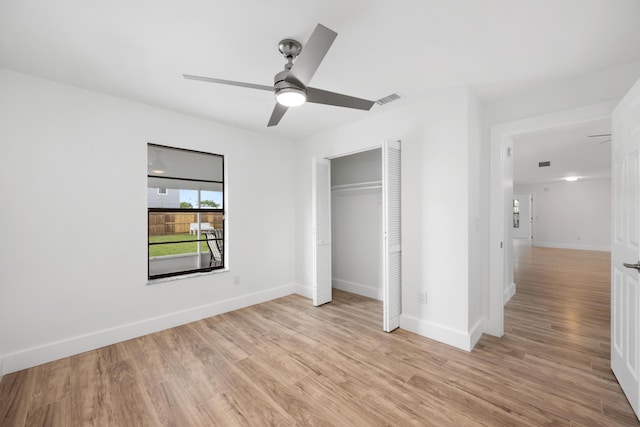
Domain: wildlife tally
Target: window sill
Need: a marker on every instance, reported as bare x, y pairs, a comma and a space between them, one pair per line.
185, 276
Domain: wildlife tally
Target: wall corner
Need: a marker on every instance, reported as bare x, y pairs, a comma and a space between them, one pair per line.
302, 290
509, 292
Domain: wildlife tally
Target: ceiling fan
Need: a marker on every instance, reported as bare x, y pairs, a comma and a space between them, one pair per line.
600, 136
291, 85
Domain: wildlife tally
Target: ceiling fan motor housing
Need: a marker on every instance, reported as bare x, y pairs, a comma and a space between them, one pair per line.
279, 82
287, 93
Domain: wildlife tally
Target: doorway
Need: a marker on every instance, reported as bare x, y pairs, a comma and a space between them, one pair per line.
360, 175
356, 216
501, 271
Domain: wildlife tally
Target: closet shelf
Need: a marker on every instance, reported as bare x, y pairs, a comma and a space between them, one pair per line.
357, 186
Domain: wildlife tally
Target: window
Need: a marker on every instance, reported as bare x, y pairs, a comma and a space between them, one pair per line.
185, 211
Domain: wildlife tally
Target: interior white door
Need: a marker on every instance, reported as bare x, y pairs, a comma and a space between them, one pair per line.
625, 295
321, 226
392, 244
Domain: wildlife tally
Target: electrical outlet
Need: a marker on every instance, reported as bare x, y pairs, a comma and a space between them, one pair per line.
423, 297
236, 280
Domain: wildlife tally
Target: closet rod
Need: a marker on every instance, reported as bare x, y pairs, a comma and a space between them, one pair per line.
358, 186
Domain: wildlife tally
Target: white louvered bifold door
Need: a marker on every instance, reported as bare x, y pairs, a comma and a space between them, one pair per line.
321, 224
392, 243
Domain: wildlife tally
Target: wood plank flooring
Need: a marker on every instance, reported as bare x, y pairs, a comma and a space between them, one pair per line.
287, 363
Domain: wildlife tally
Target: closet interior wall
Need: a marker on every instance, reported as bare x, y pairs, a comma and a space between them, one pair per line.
356, 223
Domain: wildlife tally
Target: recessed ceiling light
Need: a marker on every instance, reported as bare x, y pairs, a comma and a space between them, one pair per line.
571, 178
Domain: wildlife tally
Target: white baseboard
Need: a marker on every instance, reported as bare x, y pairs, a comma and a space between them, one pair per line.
475, 333
305, 291
462, 340
46, 353
509, 292
582, 247
1, 368
357, 288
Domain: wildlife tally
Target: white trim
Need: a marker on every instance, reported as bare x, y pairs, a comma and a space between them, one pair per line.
46, 353
501, 189
475, 333
509, 292
185, 276
1, 368
357, 288
573, 246
349, 153
459, 339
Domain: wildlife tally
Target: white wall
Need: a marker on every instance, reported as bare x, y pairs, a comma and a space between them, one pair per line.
73, 256
435, 206
356, 224
574, 215
563, 94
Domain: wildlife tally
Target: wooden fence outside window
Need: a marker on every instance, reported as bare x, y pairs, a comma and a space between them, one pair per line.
163, 223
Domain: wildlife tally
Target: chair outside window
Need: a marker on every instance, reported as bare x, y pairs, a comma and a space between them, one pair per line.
215, 243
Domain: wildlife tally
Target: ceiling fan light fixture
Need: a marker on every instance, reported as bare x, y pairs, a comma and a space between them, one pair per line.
291, 96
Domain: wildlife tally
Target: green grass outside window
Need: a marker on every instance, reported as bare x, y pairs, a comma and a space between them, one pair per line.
177, 248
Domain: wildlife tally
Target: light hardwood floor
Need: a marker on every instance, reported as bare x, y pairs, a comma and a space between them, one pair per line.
287, 363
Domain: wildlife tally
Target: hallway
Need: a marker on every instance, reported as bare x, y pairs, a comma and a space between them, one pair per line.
560, 318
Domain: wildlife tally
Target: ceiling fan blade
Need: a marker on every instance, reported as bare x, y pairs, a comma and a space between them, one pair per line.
595, 136
320, 96
311, 56
228, 82
605, 141
278, 112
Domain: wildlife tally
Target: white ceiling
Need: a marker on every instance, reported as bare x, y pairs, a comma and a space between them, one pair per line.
569, 149
139, 49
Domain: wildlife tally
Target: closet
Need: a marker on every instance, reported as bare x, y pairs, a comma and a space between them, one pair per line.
356, 223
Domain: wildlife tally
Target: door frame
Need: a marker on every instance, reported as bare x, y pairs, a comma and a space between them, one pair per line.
360, 150
501, 193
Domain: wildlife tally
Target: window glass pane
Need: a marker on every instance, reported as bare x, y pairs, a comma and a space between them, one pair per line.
178, 248
211, 199
162, 197
177, 257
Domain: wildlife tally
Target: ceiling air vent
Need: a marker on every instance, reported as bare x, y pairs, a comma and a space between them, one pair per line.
544, 164
388, 99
